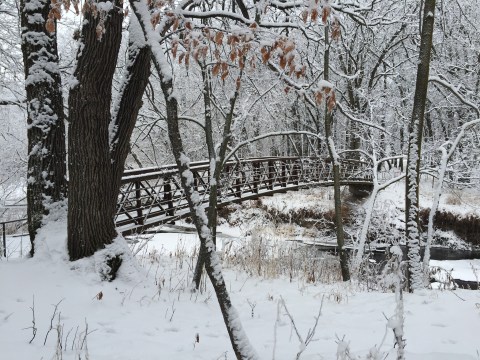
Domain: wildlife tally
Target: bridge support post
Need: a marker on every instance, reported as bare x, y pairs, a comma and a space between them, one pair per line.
284, 174
195, 180
4, 238
256, 176
271, 174
138, 203
168, 197
238, 181
295, 173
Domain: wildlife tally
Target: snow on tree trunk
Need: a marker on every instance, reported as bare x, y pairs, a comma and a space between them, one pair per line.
46, 174
412, 230
239, 340
240, 343
129, 101
99, 136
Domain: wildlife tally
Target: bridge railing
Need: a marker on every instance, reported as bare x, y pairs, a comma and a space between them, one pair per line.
3, 226
153, 196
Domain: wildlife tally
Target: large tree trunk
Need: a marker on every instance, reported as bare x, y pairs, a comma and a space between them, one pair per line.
91, 209
99, 138
415, 275
46, 181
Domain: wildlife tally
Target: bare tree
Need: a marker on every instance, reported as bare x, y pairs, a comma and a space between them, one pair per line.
415, 273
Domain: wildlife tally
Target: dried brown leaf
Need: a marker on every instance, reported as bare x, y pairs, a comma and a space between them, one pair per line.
318, 97
304, 16
50, 26
219, 38
174, 49
216, 69
224, 75
331, 102
325, 13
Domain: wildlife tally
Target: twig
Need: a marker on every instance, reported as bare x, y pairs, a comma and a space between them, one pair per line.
75, 337
457, 295
33, 327
310, 333
252, 307
51, 320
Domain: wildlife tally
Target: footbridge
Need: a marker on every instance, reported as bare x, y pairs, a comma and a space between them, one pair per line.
154, 196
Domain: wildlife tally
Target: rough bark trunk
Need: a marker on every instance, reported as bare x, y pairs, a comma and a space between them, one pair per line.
415, 275
129, 101
99, 138
46, 174
91, 209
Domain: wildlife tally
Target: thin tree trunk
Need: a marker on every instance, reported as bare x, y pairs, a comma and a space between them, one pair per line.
46, 173
415, 274
212, 210
240, 343
216, 164
446, 155
336, 171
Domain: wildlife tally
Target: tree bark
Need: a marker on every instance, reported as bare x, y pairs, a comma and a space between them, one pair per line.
46, 174
100, 138
91, 209
415, 275
129, 101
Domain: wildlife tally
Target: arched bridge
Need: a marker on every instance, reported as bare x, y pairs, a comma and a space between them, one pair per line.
154, 196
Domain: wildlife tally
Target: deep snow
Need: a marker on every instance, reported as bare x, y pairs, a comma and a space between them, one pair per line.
150, 313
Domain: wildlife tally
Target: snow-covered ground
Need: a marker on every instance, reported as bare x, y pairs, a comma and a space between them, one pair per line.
148, 312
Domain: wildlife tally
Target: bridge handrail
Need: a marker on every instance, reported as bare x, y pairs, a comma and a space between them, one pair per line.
171, 169
4, 233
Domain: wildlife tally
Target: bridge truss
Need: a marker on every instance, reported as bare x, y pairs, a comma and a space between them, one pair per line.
154, 196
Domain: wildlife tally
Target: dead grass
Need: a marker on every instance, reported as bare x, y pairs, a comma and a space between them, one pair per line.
264, 255
453, 200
